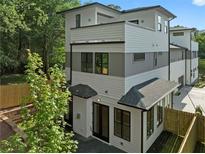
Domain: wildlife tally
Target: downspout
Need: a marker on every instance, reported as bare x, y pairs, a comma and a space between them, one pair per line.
142, 136
191, 73
71, 54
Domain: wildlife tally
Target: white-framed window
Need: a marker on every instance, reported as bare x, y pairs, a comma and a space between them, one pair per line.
166, 26
178, 34
150, 122
159, 23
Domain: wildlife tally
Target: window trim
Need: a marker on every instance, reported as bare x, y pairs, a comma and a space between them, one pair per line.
101, 62
161, 113
77, 20
151, 126
121, 123
159, 23
140, 59
178, 34
86, 63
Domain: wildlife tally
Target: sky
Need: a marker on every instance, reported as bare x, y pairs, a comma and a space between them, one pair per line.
190, 13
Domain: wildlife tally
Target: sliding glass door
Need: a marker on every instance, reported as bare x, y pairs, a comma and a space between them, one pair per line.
101, 121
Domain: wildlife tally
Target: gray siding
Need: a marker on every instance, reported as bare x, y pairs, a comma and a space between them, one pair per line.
132, 68
122, 65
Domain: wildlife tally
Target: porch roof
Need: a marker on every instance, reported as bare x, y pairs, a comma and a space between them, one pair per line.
147, 94
83, 91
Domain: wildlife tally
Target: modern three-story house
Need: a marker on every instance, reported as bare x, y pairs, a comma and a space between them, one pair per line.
118, 64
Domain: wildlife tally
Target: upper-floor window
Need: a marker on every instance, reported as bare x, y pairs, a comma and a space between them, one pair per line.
87, 62
138, 57
178, 34
122, 124
77, 20
135, 21
155, 58
150, 122
159, 23
102, 63
166, 26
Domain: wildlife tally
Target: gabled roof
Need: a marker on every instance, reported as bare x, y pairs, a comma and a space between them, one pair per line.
148, 93
83, 91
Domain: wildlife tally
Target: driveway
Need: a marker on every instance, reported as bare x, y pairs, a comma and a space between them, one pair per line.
189, 98
92, 145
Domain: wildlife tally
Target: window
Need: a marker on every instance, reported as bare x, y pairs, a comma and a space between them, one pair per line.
138, 57
160, 111
87, 62
150, 122
122, 124
159, 25
102, 63
166, 26
135, 21
77, 18
178, 34
155, 58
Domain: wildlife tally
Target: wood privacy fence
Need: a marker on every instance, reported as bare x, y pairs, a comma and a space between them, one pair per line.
13, 95
187, 125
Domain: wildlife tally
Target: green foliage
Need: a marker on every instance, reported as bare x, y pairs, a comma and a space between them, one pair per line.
198, 110
200, 38
30, 25
116, 7
45, 127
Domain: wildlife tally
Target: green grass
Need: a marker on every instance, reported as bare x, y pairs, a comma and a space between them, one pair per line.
12, 79
201, 82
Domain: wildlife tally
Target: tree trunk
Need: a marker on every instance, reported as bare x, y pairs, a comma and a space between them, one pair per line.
45, 55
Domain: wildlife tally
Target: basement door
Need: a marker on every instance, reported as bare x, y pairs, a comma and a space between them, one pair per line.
101, 121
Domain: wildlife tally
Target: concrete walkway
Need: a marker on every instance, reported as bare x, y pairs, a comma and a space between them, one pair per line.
92, 145
190, 98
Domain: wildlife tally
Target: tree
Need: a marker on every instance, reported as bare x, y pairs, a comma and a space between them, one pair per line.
45, 127
200, 38
116, 7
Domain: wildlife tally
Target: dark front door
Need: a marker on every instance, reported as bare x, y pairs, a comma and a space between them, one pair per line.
101, 121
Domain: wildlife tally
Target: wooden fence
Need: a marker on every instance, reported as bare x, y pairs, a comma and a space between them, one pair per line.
190, 126
177, 122
13, 95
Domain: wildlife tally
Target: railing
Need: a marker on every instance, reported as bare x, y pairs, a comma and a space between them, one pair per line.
13, 95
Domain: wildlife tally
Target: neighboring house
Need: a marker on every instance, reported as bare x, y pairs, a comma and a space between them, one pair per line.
118, 66
183, 37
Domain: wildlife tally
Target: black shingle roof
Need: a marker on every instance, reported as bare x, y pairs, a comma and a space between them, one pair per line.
83, 91
146, 94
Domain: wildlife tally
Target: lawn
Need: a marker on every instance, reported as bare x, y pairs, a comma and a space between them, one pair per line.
12, 79
166, 143
201, 82
202, 66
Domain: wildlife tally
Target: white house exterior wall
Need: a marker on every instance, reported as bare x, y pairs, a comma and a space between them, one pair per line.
194, 46
138, 40
142, 77
177, 69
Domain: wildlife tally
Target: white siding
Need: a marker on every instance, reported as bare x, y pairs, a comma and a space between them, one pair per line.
113, 31
181, 40
142, 77
195, 65
194, 46
101, 83
143, 40
135, 137
177, 69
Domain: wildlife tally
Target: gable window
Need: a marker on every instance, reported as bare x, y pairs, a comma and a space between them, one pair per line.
77, 20
160, 111
87, 62
138, 57
102, 63
159, 23
155, 58
166, 26
135, 21
122, 124
150, 122
178, 34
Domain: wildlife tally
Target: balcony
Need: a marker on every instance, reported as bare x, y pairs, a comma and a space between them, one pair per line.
136, 38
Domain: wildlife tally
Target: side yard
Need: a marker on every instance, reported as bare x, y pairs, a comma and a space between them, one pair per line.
201, 82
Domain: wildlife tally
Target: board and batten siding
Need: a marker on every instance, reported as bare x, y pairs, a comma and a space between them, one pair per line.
139, 39
113, 31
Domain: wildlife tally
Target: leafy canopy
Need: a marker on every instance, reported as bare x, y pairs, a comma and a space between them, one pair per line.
45, 127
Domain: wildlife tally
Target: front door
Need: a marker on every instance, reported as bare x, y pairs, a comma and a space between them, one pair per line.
101, 121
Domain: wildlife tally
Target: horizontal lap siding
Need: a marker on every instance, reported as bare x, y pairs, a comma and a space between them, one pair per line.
103, 32
144, 40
